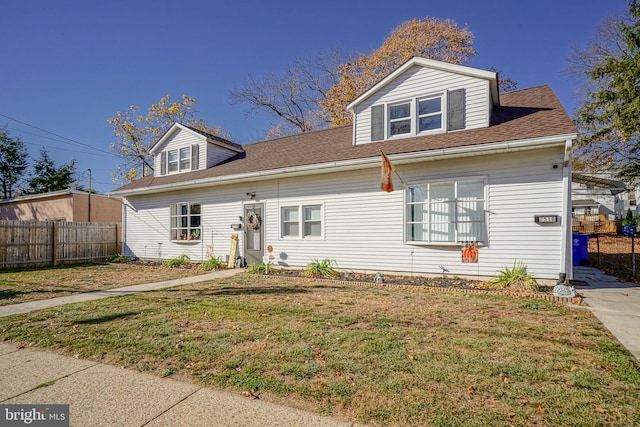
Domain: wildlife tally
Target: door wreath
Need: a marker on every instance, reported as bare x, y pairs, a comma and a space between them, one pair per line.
253, 220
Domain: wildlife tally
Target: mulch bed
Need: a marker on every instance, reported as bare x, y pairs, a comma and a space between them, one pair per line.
444, 283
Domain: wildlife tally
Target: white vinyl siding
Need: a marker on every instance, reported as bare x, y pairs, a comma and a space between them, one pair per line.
418, 82
364, 228
217, 154
182, 153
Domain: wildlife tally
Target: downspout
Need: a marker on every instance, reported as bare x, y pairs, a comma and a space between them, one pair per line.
123, 232
566, 260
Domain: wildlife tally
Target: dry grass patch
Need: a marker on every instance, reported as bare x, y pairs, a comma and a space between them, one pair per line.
28, 285
366, 354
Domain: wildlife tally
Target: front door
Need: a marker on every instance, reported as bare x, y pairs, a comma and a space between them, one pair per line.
253, 233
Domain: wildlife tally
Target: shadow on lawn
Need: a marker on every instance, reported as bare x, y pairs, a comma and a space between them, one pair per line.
240, 290
10, 294
107, 318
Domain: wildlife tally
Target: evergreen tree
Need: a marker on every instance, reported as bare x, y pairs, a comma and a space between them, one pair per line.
48, 177
13, 162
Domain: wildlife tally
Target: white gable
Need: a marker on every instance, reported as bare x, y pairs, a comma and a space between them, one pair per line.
182, 149
424, 96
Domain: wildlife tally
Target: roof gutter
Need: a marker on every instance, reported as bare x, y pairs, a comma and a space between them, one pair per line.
353, 164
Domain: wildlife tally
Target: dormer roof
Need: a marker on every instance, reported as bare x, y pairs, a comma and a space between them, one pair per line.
491, 76
205, 136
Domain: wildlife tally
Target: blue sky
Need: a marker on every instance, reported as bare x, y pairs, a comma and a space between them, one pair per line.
69, 65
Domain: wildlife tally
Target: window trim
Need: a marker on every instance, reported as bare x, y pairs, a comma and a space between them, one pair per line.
183, 154
170, 162
301, 221
389, 121
439, 113
456, 242
189, 236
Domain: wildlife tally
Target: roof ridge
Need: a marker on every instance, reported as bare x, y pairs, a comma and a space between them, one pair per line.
210, 135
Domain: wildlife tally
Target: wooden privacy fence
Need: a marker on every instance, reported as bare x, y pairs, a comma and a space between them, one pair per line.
594, 223
36, 244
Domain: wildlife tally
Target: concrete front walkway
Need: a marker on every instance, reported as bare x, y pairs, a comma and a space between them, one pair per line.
103, 395
26, 307
616, 304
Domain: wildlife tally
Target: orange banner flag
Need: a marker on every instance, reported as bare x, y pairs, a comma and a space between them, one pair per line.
386, 184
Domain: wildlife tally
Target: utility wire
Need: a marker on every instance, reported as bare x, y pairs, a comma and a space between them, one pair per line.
73, 150
60, 136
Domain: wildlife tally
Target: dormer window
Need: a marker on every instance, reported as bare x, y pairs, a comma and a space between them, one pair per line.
400, 119
416, 116
173, 161
184, 159
430, 114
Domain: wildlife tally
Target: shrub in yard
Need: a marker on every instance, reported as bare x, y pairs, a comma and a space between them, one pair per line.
629, 219
516, 277
213, 263
119, 258
178, 261
323, 268
260, 268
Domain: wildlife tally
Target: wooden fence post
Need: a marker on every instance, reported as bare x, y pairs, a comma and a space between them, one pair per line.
54, 243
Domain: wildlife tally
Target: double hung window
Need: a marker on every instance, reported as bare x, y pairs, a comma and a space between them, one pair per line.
180, 160
429, 114
301, 221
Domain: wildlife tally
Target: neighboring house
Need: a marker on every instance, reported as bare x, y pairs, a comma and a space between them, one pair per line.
63, 205
599, 194
471, 166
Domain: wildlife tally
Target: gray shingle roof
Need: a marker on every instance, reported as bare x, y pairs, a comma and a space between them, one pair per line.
529, 113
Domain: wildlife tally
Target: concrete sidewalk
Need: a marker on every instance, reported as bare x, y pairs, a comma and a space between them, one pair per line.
616, 304
103, 395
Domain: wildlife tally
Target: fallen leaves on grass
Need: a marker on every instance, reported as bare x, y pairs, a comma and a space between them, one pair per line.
252, 394
600, 409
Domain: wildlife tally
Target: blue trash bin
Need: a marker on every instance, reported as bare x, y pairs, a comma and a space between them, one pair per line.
580, 248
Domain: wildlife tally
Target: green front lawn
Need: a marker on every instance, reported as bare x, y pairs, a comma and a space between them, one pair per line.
367, 354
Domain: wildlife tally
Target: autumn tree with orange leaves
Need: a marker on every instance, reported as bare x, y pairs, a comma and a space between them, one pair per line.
137, 133
431, 38
313, 94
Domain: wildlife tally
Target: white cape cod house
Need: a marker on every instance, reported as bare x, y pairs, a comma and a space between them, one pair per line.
481, 180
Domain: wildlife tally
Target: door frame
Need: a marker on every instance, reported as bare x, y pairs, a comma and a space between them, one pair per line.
253, 255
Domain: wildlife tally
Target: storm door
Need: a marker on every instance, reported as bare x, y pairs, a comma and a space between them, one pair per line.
253, 232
